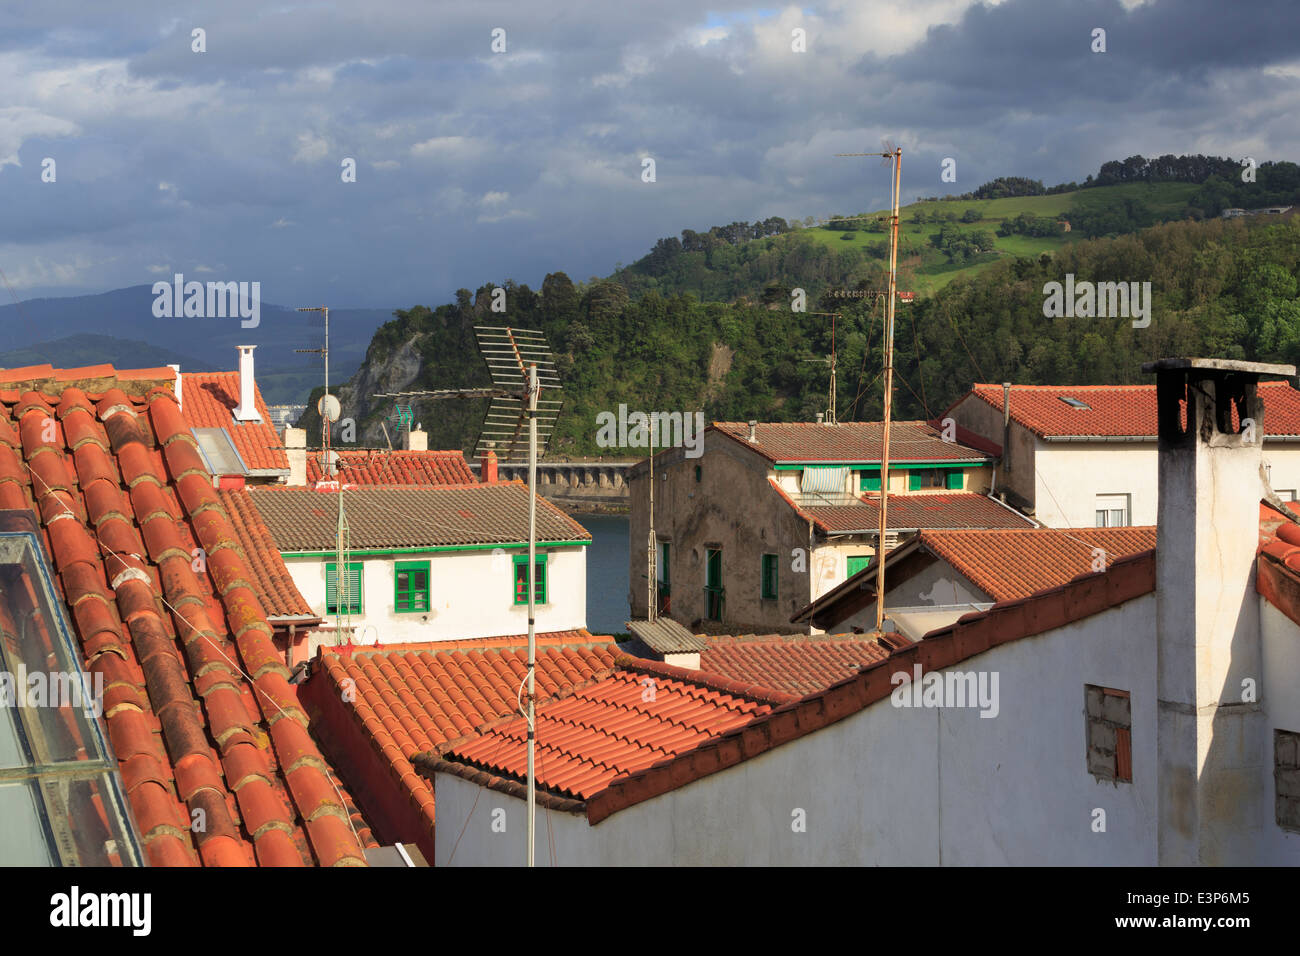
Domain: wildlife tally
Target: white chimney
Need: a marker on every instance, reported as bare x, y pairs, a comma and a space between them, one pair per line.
416, 439
295, 449
246, 410
752, 436
177, 370
1209, 742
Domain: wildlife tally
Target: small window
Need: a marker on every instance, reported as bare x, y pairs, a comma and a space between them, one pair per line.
769, 577
411, 586
918, 479
1112, 511
869, 480
349, 594
698, 472
1075, 403
1286, 779
521, 579
1110, 733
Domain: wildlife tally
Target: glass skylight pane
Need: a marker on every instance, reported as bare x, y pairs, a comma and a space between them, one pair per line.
23, 837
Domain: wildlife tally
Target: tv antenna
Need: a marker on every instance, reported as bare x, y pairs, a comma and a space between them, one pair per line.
894, 153
521, 365
831, 397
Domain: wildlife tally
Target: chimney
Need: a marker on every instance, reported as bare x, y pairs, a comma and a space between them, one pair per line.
753, 435
1006, 426
487, 467
177, 369
246, 410
294, 441
820, 416
416, 439
1209, 746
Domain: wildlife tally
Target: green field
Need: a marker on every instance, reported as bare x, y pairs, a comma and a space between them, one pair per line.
934, 271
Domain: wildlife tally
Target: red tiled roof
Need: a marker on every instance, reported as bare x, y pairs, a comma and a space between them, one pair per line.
622, 722
124, 499
405, 702
209, 400
962, 509
271, 580
849, 442
607, 756
1277, 575
396, 468
1013, 564
303, 519
795, 664
1119, 410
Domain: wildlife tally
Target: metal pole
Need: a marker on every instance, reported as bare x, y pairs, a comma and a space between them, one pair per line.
532, 632
889, 394
652, 597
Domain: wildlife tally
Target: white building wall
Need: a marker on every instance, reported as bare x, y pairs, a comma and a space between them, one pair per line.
471, 594
1070, 475
900, 786
1279, 697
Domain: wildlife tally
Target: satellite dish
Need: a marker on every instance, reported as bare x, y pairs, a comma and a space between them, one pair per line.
329, 408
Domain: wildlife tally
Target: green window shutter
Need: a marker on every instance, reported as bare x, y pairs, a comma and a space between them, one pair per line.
411, 586
955, 479
914, 479
353, 586
769, 576
521, 579
857, 562
869, 480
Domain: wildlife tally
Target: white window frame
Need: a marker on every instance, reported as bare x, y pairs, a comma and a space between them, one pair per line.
1106, 509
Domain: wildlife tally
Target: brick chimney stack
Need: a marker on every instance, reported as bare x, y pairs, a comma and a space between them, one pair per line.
487, 467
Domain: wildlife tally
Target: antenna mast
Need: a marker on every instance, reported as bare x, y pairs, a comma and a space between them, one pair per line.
895, 153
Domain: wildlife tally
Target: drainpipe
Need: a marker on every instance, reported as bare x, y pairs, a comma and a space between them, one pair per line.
1006, 426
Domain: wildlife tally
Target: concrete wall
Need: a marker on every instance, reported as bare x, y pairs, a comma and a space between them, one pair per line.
900, 786
471, 594
983, 419
1071, 475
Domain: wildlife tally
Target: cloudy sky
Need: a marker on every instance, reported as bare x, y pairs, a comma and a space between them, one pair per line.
475, 166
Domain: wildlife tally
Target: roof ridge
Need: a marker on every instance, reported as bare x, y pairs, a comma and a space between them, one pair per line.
751, 692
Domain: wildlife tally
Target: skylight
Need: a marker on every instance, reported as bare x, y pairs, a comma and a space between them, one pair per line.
61, 794
1074, 402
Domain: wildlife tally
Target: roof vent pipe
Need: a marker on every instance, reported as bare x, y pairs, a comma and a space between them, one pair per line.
753, 436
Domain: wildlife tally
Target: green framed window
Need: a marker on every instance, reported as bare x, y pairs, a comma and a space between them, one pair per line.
955, 476
869, 480
349, 592
918, 479
857, 562
665, 581
769, 577
714, 593
698, 472
411, 586
521, 579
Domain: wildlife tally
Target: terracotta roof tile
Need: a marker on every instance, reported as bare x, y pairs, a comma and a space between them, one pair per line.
1120, 410
962, 509
636, 716
396, 468
272, 583
186, 726
1013, 564
795, 664
209, 400
849, 442
303, 519
383, 707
